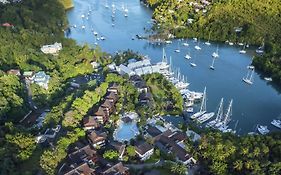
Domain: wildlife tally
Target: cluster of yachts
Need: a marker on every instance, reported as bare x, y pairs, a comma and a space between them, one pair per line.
263, 129
222, 119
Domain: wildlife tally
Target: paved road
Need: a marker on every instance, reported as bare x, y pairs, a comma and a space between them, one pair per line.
29, 95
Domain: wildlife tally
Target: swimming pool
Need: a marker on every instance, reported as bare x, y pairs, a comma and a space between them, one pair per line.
126, 131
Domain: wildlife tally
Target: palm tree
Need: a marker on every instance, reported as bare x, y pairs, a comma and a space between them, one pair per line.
238, 165
256, 152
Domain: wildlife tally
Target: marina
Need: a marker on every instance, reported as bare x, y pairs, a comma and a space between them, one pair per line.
256, 104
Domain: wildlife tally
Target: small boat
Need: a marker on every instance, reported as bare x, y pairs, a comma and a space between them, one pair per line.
195, 39
197, 47
240, 44
193, 65
75, 26
212, 65
185, 44
102, 38
205, 117
82, 16
276, 123
95, 33
83, 27
189, 110
249, 77
178, 49
263, 129
250, 67
106, 5
231, 43
187, 56
268, 78
216, 54
168, 42
208, 42
112, 24
243, 51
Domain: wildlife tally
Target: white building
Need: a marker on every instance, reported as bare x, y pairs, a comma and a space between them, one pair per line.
144, 151
42, 79
51, 49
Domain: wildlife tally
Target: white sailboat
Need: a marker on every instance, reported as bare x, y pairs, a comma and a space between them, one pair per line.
219, 115
243, 51
106, 4
178, 49
249, 79
208, 42
187, 56
185, 44
126, 11
212, 65
227, 118
202, 108
216, 53
197, 47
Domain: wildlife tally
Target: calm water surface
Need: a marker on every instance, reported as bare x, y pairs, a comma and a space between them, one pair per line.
253, 104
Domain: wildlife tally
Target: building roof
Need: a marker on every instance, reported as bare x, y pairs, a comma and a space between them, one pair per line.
178, 136
96, 136
127, 119
116, 169
120, 147
28, 73
14, 72
82, 169
145, 96
90, 121
143, 148
111, 95
153, 131
107, 103
100, 112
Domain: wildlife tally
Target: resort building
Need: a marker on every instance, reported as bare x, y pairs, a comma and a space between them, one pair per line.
14, 72
81, 160
97, 138
28, 75
144, 151
41, 78
90, 123
51, 49
117, 169
119, 147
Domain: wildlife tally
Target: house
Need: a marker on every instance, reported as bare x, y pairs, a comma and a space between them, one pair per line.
14, 72
113, 88
112, 97
95, 65
51, 49
152, 131
42, 79
80, 161
119, 147
108, 106
28, 75
145, 97
122, 69
97, 138
141, 86
112, 66
90, 123
101, 115
144, 151
117, 169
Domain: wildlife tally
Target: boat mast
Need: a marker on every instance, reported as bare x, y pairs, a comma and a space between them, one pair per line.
228, 113
251, 77
203, 104
170, 66
220, 111
164, 56
213, 62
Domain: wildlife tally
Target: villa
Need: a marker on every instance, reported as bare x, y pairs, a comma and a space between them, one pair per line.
41, 78
51, 49
144, 151
90, 123
14, 72
28, 75
117, 169
80, 161
97, 138
119, 147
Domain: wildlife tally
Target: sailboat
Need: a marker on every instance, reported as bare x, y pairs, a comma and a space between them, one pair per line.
227, 119
188, 56
208, 42
96, 43
185, 44
202, 107
197, 47
212, 65
249, 79
216, 53
178, 49
243, 51
126, 11
260, 50
219, 115
106, 4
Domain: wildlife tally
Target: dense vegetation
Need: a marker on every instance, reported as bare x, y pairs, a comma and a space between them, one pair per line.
67, 3
260, 20
229, 154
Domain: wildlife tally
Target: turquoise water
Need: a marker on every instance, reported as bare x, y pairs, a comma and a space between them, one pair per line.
252, 104
126, 131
